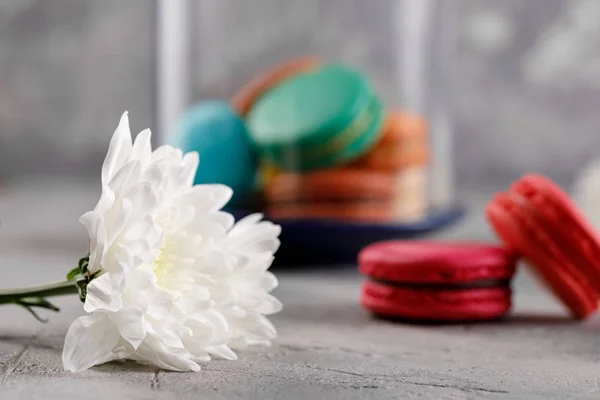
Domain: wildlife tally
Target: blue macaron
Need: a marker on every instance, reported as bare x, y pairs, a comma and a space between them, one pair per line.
219, 135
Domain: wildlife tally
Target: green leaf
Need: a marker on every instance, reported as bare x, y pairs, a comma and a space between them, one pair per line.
73, 273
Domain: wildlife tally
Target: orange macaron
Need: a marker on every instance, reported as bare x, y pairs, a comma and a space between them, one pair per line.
330, 184
403, 143
247, 96
354, 211
346, 193
537, 218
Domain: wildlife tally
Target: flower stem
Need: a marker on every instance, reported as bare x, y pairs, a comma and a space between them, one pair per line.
14, 296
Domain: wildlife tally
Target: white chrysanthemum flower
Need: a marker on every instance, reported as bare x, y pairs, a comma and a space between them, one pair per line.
586, 192
172, 280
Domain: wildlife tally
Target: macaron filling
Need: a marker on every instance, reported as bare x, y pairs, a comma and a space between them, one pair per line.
480, 284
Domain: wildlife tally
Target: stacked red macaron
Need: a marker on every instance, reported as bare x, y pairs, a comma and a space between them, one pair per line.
536, 221
437, 281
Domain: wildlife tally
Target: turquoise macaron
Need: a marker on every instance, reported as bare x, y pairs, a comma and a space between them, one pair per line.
227, 156
324, 118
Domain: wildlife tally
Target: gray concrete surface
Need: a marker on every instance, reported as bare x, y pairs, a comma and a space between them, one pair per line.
328, 348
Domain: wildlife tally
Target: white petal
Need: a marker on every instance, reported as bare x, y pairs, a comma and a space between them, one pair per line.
123, 260
193, 305
166, 357
250, 301
141, 279
142, 150
246, 222
107, 200
115, 225
153, 174
270, 305
97, 234
160, 304
222, 194
226, 220
102, 295
251, 236
143, 228
125, 176
118, 150
130, 323
168, 333
216, 320
202, 357
201, 197
222, 351
89, 341
143, 196
190, 166
260, 329
264, 321
268, 282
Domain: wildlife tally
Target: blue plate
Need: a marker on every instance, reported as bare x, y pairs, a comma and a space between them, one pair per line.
315, 242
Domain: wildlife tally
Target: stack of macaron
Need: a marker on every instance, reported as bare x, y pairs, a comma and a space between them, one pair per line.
308, 139
441, 282
328, 148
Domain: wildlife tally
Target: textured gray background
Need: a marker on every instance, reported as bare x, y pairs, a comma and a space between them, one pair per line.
525, 84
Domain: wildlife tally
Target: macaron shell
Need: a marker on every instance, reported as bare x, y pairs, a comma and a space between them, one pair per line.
436, 305
332, 184
563, 218
247, 96
403, 143
294, 157
436, 262
513, 222
219, 135
308, 108
395, 157
401, 126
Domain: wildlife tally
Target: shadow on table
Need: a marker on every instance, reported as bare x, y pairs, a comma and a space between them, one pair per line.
124, 365
536, 319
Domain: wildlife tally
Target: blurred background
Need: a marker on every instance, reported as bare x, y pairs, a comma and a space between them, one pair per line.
521, 79
525, 88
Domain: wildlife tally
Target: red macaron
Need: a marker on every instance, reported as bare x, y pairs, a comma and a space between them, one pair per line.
437, 281
538, 220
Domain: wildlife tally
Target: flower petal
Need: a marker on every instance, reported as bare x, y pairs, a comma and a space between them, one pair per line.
268, 282
190, 166
118, 150
102, 295
97, 234
166, 357
130, 323
125, 176
222, 351
270, 305
143, 196
89, 341
160, 304
250, 235
142, 150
